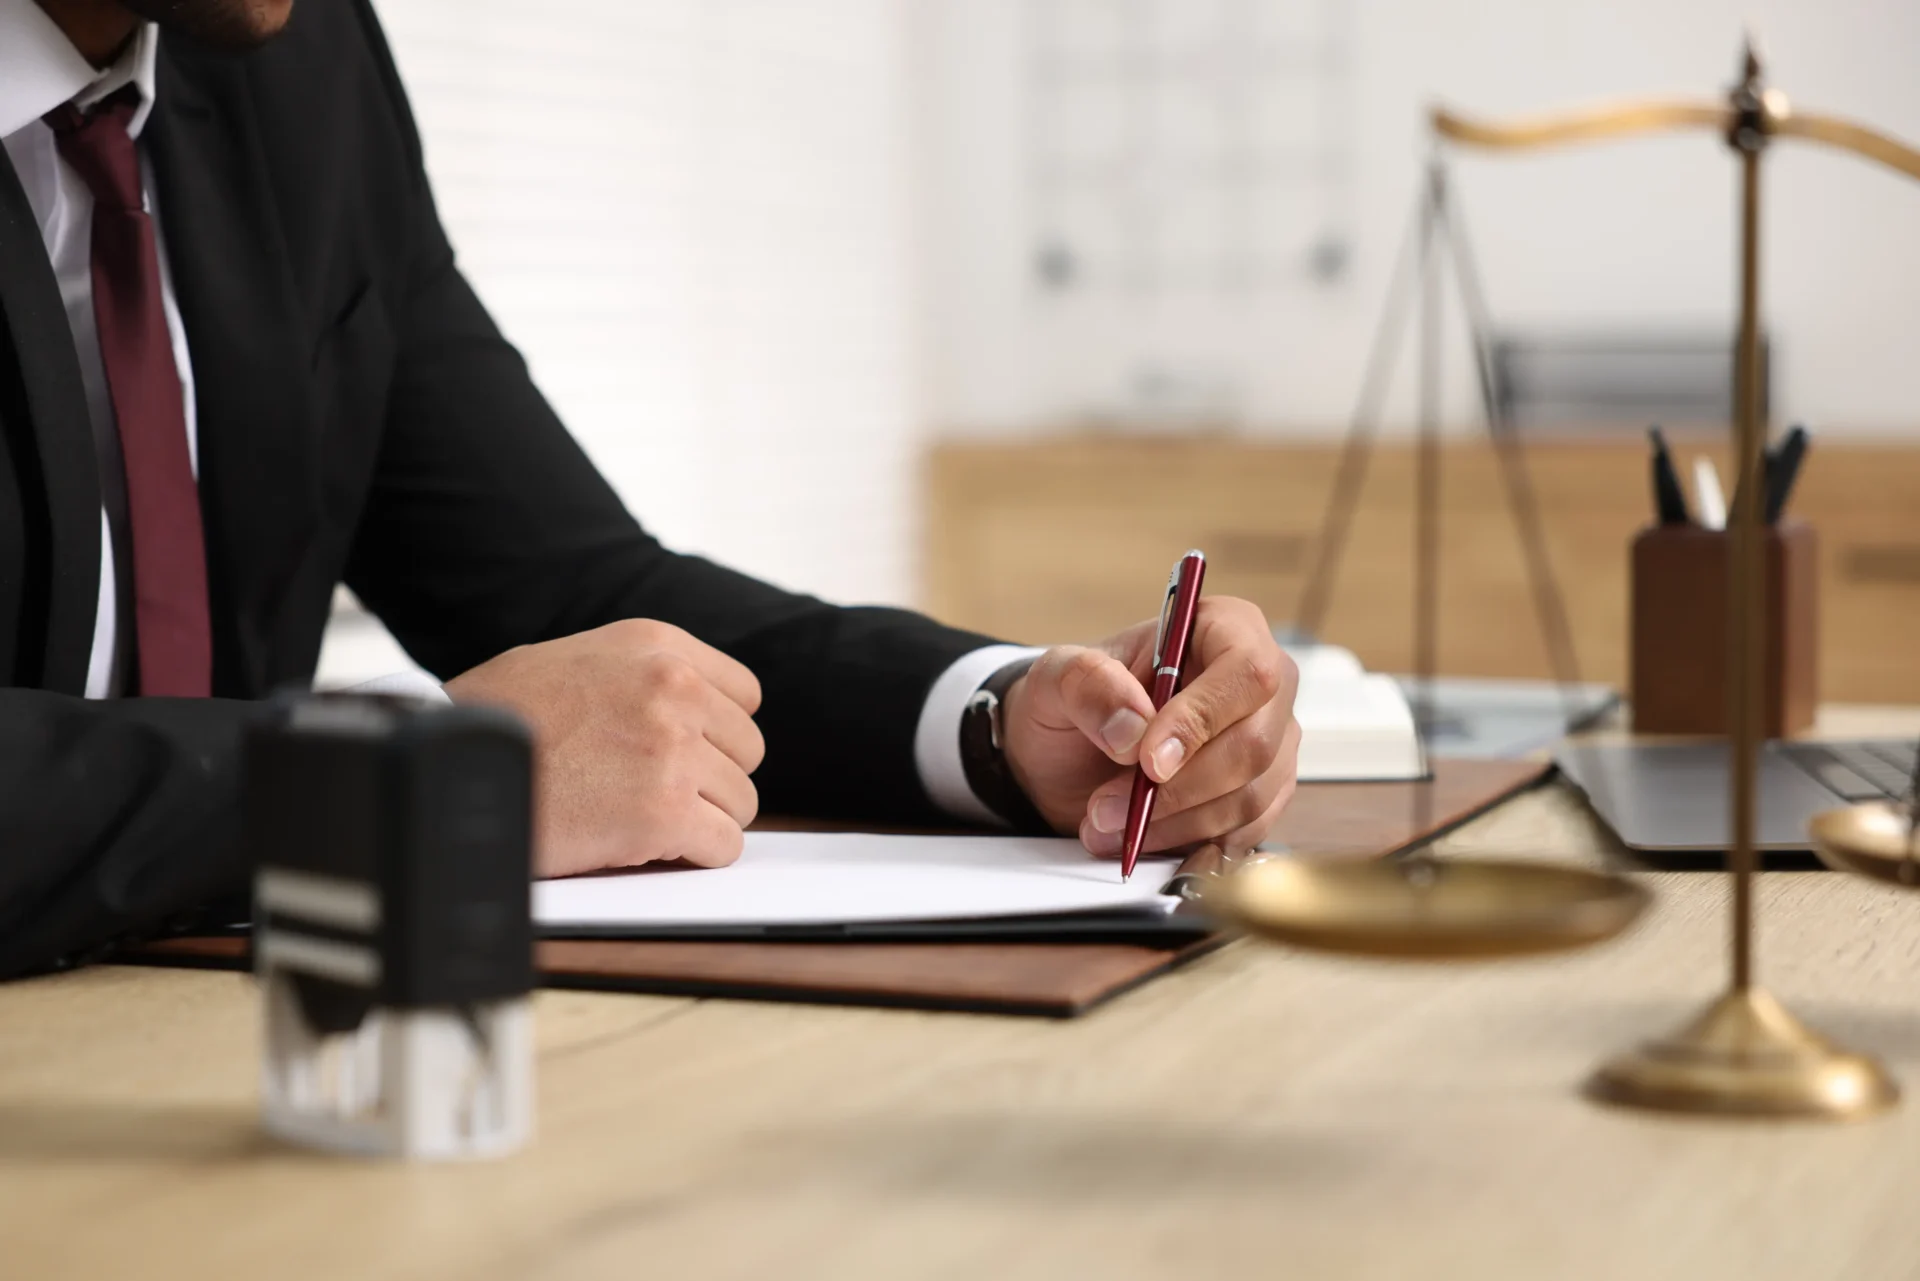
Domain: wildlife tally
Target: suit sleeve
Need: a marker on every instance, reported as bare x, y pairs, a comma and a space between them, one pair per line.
487, 527
117, 820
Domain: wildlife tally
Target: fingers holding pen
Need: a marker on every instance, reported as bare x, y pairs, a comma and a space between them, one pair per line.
1227, 795
1239, 671
1222, 751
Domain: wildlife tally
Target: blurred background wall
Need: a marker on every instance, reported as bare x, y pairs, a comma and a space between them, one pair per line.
693, 218
769, 257
1209, 147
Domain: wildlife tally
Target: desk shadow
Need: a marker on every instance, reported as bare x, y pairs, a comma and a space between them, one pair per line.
1090, 1157
64, 1131
1609, 1026
1892, 1034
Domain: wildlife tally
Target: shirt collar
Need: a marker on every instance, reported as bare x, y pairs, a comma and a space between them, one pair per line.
40, 69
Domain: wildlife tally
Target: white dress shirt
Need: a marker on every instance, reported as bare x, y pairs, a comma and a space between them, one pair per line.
39, 70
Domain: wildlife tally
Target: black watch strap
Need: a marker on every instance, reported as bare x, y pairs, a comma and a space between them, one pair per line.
984, 758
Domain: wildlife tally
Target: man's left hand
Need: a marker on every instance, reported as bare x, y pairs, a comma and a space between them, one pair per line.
1223, 749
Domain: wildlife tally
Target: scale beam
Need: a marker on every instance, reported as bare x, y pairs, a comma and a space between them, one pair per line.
1643, 117
1589, 124
1869, 144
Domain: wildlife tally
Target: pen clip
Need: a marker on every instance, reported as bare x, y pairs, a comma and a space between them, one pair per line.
1166, 616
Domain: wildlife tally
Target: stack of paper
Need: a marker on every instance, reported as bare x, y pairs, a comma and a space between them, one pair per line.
840, 878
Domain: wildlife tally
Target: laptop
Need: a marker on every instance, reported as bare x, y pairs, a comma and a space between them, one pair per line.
1668, 801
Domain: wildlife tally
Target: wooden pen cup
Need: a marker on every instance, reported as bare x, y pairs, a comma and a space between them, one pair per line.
1679, 645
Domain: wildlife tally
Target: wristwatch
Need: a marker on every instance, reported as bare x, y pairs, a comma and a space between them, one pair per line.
983, 754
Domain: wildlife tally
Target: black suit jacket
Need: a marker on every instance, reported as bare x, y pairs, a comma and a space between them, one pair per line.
361, 419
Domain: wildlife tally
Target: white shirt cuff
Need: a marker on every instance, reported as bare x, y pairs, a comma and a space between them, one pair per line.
936, 742
403, 685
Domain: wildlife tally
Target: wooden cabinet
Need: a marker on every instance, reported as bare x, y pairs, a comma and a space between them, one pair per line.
1069, 538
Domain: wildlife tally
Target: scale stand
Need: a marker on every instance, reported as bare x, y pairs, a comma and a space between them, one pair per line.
1744, 1055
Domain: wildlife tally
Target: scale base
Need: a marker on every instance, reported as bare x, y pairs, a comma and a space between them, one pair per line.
1746, 1056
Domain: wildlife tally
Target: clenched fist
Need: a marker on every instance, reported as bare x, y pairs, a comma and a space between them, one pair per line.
644, 738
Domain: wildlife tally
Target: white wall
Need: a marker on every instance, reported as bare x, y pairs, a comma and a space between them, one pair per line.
1632, 234
692, 216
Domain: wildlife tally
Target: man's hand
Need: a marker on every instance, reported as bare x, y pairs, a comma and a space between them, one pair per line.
643, 739
1223, 749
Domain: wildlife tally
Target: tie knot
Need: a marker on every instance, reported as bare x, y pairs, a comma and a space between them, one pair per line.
96, 143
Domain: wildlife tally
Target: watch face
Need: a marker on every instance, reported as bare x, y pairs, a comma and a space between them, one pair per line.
987, 703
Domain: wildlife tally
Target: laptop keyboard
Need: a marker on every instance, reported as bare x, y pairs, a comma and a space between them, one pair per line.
1875, 771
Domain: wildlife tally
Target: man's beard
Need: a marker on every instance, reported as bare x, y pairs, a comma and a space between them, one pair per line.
233, 26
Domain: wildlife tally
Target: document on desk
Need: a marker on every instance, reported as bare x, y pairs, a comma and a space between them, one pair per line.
827, 879
1355, 725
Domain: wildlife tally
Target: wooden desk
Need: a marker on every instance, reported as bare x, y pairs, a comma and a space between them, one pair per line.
1259, 1114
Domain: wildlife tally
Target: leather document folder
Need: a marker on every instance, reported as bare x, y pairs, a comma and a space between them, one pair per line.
1054, 979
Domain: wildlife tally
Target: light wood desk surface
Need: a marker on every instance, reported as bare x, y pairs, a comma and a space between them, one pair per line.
1259, 1114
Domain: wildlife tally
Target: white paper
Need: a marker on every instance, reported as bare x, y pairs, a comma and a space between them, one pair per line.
825, 878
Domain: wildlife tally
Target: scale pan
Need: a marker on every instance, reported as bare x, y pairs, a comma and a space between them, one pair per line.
1872, 839
1453, 909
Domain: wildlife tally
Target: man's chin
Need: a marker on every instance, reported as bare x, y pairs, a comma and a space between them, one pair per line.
233, 26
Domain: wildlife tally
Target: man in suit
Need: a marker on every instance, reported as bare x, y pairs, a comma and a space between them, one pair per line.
238, 365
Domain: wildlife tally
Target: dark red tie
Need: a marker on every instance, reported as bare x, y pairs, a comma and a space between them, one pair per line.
171, 632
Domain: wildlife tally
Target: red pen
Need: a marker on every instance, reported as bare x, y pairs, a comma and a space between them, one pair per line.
1169, 656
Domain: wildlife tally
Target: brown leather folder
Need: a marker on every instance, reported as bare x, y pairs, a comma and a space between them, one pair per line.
1050, 979
1373, 820
1057, 980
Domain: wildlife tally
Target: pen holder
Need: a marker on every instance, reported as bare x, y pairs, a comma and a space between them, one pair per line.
1679, 645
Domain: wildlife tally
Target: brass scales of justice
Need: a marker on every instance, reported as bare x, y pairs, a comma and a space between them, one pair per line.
1745, 1054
